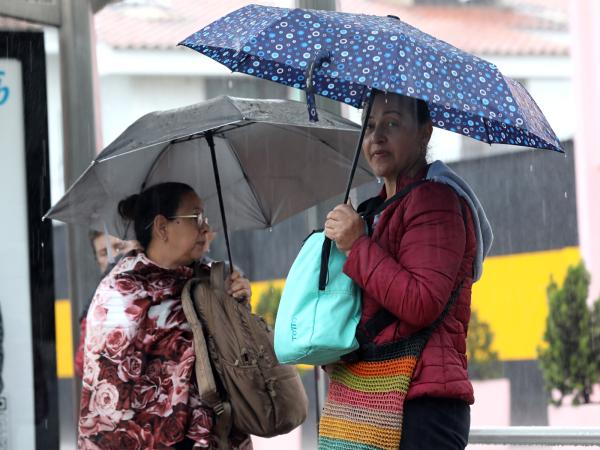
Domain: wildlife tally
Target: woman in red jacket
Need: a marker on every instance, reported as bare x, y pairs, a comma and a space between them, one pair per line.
421, 249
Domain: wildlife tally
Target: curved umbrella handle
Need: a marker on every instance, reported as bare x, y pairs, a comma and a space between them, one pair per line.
316, 63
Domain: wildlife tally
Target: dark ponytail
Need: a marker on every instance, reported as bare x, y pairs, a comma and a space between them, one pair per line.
160, 199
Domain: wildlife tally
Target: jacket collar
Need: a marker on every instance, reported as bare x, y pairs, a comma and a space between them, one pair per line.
402, 182
138, 260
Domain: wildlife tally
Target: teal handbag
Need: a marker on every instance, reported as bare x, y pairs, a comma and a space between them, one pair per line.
320, 308
313, 325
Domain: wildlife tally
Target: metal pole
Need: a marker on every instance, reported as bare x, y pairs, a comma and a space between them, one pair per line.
80, 145
79, 135
319, 212
535, 436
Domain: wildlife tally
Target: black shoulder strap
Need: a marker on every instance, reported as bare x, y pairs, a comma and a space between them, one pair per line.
397, 196
383, 318
369, 205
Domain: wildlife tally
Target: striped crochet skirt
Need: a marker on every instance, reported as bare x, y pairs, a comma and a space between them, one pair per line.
364, 407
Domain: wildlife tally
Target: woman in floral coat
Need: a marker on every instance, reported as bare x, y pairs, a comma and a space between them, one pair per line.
138, 381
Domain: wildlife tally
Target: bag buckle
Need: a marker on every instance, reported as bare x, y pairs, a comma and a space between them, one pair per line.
219, 408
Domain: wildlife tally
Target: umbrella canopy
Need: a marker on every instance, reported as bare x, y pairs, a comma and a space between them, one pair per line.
344, 56
273, 163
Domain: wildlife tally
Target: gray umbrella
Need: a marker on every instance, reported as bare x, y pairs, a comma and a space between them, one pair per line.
272, 163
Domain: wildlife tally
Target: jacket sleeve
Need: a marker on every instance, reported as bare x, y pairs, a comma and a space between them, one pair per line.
78, 363
114, 359
415, 283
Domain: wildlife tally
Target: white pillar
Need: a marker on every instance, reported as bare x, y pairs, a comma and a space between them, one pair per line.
585, 48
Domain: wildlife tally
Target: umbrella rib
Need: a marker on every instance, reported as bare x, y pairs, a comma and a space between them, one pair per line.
249, 182
327, 145
247, 178
189, 138
196, 135
87, 169
154, 163
220, 132
137, 149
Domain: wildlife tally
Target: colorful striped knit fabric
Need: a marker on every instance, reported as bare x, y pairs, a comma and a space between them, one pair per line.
364, 407
365, 402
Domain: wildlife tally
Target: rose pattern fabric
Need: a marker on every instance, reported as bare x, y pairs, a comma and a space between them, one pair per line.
138, 388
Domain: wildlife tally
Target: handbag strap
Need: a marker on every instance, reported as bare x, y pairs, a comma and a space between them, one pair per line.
207, 386
217, 275
377, 209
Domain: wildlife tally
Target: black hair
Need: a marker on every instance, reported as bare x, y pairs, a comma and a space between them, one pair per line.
160, 199
420, 107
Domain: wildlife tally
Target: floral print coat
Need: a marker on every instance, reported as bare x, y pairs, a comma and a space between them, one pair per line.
138, 388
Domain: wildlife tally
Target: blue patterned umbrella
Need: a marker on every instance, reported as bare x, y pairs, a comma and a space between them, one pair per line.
344, 56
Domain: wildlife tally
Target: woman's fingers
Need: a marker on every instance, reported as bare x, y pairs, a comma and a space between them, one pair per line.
341, 213
239, 287
331, 230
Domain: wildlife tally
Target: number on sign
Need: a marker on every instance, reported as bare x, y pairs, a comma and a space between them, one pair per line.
4, 90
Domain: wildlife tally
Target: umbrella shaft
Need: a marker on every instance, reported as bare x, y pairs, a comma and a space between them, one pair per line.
211, 144
325, 253
359, 146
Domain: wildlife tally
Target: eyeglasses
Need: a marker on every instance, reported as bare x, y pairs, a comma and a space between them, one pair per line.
201, 218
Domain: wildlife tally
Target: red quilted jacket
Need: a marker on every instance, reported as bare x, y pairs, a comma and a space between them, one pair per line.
418, 254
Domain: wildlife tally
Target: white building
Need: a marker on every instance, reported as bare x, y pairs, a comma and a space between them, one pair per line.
141, 69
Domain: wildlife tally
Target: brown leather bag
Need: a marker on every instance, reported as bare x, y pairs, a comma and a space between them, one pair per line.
252, 392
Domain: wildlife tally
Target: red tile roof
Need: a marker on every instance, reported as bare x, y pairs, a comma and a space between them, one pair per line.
158, 27
10, 24
483, 30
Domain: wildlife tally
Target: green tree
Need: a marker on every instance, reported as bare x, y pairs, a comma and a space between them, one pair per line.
483, 361
567, 359
595, 340
268, 303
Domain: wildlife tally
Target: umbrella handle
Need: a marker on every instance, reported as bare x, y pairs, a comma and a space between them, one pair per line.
317, 61
211, 144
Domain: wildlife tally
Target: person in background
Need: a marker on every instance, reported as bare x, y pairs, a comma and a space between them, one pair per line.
107, 248
107, 251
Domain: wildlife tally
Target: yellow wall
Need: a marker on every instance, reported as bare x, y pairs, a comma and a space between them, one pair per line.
64, 339
64, 335
511, 297
259, 287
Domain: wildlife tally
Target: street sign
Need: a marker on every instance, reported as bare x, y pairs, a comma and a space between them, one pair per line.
17, 414
41, 11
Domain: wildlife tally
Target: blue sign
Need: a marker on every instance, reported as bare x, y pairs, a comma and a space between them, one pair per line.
4, 90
